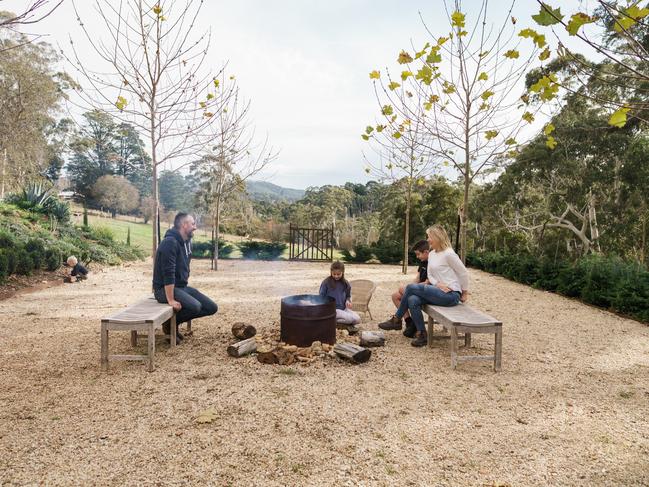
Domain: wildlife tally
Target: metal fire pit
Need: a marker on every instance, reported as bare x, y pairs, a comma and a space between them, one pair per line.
307, 318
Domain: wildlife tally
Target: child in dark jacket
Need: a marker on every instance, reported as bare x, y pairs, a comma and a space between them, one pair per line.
337, 287
78, 271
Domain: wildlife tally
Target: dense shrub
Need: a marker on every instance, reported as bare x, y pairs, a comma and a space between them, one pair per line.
10, 255
6, 240
261, 250
3, 267
605, 281
362, 253
53, 259
206, 249
388, 252
24, 263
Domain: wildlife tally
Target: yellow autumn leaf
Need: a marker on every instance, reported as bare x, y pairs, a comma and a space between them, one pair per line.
490, 134
528, 117
618, 118
393, 85
121, 103
375, 74
483, 76
550, 142
512, 54
548, 129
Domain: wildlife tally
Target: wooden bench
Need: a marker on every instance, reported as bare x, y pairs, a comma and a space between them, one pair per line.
144, 316
463, 318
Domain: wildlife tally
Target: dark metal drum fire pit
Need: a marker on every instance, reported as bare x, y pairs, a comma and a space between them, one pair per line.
307, 318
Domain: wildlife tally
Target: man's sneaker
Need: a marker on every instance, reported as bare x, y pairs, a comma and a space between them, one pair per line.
410, 329
421, 339
393, 323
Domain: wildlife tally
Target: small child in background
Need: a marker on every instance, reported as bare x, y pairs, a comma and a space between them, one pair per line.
78, 271
337, 287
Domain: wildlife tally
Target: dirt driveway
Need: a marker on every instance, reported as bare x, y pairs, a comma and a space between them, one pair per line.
569, 408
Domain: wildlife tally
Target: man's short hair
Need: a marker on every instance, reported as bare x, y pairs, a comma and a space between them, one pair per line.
421, 246
180, 219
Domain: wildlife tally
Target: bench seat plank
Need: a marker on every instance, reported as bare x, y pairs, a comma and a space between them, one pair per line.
461, 314
144, 311
464, 318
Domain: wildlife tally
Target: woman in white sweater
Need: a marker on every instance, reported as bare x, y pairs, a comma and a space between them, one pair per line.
447, 285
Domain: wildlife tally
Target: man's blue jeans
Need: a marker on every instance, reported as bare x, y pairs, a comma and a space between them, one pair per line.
194, 303
416, 295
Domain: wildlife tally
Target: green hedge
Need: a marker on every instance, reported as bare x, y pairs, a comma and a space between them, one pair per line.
605, 281
204, 250
261, 250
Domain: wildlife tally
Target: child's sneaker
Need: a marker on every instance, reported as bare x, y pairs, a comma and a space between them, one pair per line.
411, 329
393, 323
421, 339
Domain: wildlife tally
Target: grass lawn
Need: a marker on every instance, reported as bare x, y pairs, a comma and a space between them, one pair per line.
141, 232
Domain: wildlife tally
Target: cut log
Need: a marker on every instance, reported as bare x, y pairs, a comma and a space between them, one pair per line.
267, 356
352, 352
242, 348
372, 339
243, 331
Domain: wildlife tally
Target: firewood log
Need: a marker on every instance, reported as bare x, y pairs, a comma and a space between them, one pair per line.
372, 339
243, 331
352, 352
242, 348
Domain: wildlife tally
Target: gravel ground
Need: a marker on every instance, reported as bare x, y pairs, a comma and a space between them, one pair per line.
568, 408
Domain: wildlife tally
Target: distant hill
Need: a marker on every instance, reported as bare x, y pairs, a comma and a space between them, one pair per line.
263, 191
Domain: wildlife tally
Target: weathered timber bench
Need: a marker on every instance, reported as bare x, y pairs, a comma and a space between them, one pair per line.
145, 316
463, 318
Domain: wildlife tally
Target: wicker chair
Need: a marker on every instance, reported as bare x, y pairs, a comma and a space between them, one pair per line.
362, 290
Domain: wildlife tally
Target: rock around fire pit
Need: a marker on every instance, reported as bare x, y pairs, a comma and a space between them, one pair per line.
307, 318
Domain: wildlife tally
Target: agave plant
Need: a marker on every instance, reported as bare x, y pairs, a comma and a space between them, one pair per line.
35, 194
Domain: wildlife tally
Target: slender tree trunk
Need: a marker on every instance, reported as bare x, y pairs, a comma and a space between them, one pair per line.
464, 212
594, 228
154, 163
4, 166
643, 255
217, 233
406, 229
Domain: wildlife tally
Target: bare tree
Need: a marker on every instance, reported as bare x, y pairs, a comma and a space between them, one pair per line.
154, 77
403, 154
233, 158
466, 83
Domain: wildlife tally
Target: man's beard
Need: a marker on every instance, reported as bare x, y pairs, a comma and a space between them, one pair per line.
190, 235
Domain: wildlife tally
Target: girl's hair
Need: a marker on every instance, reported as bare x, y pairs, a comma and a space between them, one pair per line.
337, 266
72, 260
440, 235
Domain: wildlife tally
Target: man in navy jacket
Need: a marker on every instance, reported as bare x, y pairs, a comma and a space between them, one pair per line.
171, 274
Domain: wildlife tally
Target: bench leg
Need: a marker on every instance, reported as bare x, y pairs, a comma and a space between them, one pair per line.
189, 326
134, 338
151, 340
453, 347
498, 350
431, 330
467, 340
172, 330
104, 346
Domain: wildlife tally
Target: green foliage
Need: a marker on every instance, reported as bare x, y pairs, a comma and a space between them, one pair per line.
605, 281
388, 252
206, 249
261, 250
3, 267
6, 240
128, 237
362, 253
24, 263
53, 259
10, 255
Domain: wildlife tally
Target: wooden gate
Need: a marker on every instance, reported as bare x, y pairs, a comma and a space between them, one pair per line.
311, 244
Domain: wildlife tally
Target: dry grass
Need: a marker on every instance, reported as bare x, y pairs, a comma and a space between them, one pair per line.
569, 407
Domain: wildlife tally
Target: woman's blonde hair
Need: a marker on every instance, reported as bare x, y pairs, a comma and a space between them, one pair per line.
440, 235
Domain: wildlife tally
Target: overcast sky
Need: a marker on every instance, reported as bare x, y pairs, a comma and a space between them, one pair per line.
304, 64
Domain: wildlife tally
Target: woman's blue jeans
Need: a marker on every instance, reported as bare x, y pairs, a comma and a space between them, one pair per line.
416, 295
